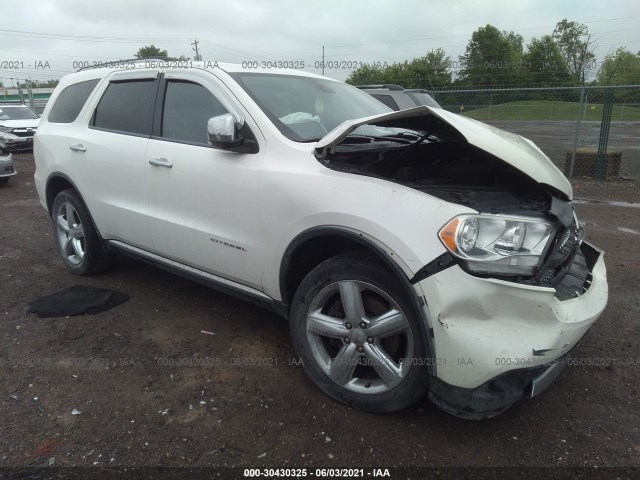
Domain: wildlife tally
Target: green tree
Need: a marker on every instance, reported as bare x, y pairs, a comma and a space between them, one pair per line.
40, 84
150, 51
431, 70
434, 69
492, 58
620, 68
366, 75
576, 45
545, 65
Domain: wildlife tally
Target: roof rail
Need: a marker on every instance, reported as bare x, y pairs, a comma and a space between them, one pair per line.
388, 86
111, 63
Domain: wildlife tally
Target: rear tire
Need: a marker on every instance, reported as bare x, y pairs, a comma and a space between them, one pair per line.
75, 235
358, 335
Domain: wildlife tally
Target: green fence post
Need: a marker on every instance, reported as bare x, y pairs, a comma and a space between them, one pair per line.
601, 160
581, 108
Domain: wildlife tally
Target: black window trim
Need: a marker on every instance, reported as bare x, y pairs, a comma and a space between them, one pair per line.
156, 81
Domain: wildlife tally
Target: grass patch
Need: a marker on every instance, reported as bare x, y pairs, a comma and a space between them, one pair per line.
547, 110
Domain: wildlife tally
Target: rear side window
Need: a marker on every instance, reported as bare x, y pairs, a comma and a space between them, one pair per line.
70, 101
127, 107
387, 100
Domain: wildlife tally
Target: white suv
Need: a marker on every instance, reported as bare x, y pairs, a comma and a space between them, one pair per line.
411, 251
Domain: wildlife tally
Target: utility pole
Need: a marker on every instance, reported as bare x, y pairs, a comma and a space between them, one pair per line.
323, 60
195, 44
30, 94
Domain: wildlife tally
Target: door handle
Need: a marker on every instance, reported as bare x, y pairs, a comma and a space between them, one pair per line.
78, 148
160, 162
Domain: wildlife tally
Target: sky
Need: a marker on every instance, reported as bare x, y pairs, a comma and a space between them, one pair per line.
50, 38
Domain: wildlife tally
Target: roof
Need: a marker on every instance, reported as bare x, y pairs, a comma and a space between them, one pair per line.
254, 66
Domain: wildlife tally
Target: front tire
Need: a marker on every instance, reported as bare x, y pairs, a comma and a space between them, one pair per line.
75, 235
357, 333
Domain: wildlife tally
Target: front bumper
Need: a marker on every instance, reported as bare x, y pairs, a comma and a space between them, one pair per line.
7, 168
495, 396
13, 143
494, 339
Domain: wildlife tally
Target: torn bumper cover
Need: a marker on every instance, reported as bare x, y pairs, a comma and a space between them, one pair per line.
498, 342
498, 394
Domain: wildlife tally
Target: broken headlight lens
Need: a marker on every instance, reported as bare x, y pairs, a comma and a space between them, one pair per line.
498, 245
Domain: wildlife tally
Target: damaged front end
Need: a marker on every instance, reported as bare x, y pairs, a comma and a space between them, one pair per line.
517, 287
525, 231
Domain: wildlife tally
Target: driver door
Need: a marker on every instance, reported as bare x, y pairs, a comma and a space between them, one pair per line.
203, 202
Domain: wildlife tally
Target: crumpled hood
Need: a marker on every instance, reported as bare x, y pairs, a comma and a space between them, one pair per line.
511, 148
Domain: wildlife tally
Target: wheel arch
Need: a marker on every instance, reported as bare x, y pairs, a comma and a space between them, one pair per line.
57, 182
313, 246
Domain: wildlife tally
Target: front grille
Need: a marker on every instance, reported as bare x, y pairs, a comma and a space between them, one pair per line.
24, 133
565, 267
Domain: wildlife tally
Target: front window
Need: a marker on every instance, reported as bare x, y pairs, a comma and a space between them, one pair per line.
305, 109
17, 113
187, 108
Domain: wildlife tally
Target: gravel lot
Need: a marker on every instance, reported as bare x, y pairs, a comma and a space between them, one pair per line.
154, 390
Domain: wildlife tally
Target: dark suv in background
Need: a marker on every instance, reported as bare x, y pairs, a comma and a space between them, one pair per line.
399, 98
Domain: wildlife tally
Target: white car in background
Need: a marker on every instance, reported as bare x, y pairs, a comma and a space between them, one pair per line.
413, 251
18, 125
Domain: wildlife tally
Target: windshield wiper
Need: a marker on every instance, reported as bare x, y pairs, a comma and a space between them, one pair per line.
359, 139
411, 147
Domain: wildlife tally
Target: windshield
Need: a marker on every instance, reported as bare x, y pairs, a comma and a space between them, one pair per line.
305, 109
421, 98
17, 113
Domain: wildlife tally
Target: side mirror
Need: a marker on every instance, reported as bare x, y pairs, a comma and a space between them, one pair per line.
223, 131
227, 133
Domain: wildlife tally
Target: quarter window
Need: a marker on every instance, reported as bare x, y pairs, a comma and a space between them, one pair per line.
387, 100
127, 107
187, 109
70, 101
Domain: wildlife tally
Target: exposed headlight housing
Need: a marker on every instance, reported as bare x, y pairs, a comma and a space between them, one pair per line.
498, 244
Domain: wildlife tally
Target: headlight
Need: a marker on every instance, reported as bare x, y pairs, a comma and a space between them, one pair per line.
496, 244
6, 129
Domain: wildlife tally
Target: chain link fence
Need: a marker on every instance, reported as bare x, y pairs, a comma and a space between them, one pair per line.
591, 132
586, 131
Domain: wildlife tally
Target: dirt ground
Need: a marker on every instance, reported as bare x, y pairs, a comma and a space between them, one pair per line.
153, 390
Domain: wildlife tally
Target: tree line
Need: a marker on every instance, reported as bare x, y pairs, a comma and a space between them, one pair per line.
495, 58
492, 59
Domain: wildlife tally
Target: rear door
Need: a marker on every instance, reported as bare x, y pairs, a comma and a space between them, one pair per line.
112, 152
203, 207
